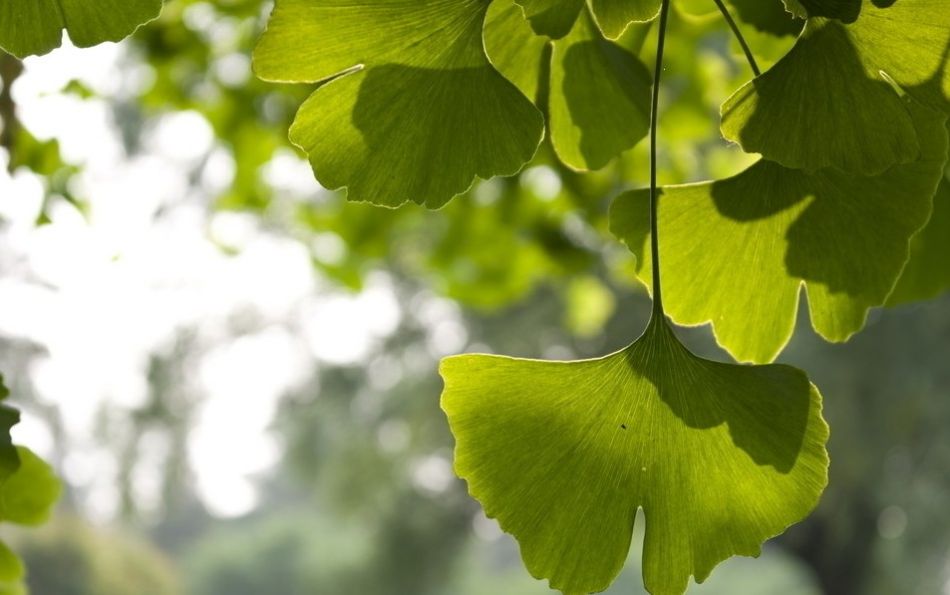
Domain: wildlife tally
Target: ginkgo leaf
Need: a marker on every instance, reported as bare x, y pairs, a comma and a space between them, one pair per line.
767, 16
414, 110
512, 47
720, 457
599, 100
28, 495
614, 16
9, 417
927, 273
30, 27
11, 568
843, 10
736, 252
553, 18
831, 101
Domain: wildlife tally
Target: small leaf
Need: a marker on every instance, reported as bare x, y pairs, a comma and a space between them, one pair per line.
29, 27
720, 457
831, 100
600, 98
28, 496
736, 252
414, 110
927, 273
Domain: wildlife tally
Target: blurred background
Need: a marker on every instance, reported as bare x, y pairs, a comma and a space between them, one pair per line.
235, 372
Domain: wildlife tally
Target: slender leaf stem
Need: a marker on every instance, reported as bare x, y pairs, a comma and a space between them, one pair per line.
654, 117
738, 33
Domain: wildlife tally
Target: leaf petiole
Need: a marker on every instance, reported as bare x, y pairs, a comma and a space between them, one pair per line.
739, 37
658, 312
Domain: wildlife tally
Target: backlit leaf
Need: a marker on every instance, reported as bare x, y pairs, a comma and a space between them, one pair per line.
737, 252
927, 273
720, 457
28, 495
409, 108
600, 98
36, 26
831, 101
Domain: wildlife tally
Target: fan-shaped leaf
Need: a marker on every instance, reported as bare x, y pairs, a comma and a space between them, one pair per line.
720, 457
553, 18
28, 495
736, 252
414, 110
831, 101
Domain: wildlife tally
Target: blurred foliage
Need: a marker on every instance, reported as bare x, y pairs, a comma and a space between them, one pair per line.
70, 557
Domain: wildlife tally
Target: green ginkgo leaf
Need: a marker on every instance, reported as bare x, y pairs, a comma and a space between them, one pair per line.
409, 107
553, 18
831, 101
843, 10
513, 49
11, 568
614, 16
9, 417
768, 16
927, 273
30, 27
600, 98
736, 252
720, 457
27, 497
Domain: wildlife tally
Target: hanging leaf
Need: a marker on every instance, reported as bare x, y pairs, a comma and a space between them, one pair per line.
720, 457
831, 100
927, 273
29, 27
409, 108
600, 100
735, 253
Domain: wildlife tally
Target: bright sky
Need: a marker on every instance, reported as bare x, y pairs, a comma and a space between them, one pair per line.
101, 292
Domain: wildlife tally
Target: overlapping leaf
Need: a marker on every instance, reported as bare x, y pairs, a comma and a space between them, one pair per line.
832, 100
36, 26
927, 273
555, 18
409, 107
736, 252
599, 104
720, 457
